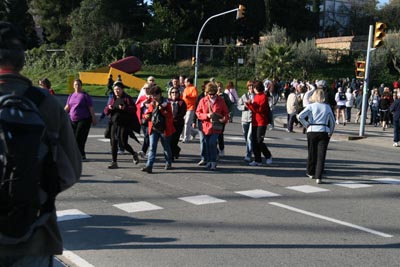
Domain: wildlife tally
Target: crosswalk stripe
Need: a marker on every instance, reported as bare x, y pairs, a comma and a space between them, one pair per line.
257, 193
307, 189
137, 206
388, 180
202, 200
71, 214
352, 184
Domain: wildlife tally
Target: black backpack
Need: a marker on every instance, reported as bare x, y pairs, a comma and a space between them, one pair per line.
342, 96
27, 188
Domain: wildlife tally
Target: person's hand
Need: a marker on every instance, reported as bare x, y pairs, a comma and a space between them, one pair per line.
122, 107
110, 107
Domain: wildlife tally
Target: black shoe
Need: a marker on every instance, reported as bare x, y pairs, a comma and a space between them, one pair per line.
113, 165
147, 169
135, 158
167, 167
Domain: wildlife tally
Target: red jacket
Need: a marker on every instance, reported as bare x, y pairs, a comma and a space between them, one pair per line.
259, 108
169, 120
202, 110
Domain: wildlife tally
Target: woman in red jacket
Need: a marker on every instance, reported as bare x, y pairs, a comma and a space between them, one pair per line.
161, 126
211, 108
260, 108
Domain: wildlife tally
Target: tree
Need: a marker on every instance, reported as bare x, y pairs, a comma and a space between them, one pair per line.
52, 16
16, 12
276, 62
97, 25
307, 57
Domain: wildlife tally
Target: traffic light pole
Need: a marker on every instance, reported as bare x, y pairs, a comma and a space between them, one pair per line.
196, 65
366, 80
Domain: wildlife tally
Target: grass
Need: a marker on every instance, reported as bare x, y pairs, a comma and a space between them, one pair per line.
161, 73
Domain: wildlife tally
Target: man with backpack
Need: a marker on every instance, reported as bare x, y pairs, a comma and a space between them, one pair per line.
39, 158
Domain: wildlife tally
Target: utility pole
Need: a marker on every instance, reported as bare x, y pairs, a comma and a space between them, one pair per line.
240, 14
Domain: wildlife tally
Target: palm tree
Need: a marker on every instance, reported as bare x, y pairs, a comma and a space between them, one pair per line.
275, 62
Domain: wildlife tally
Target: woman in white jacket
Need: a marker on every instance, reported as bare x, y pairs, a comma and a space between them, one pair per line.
320, 123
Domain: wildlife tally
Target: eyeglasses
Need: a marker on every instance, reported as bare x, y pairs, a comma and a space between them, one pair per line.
151, 80
174, 92
211, 94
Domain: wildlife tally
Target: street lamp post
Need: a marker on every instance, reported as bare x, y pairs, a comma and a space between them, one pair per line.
196, 65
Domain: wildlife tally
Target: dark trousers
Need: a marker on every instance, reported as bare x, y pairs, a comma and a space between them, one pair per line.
81, 131
259, 147
175, 149
396, 125
146, 138
119, 136
317, 147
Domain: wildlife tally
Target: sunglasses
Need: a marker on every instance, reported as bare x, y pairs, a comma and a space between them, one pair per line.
174, 92
212, 94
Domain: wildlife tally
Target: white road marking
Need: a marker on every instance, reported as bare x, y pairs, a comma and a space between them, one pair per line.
137, 206
105, 140
307, 189
202, 200
352, 184
72, 214
388, 180
368, 230
75, 259
257, 193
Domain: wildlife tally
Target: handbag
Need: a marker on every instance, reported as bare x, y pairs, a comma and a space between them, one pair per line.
216, 124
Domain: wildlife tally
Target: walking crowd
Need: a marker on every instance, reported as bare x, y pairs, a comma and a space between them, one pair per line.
185, 112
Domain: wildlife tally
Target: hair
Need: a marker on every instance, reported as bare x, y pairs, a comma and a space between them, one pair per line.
11, 46
78, 81
46, 83
155, 90
211, 88
230, 85
118, 84
259, 86
318, 96
150, 78
249, 83
190, 80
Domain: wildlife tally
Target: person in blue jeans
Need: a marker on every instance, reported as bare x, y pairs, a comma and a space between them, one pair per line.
161, 127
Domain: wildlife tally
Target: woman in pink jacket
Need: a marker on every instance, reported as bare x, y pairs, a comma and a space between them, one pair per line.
211, 108
260, 108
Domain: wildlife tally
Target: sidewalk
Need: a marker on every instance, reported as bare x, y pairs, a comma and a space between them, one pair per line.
372, 135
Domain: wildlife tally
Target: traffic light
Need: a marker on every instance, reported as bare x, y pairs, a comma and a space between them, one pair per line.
380, 28
241, 12
360, 69
193, 61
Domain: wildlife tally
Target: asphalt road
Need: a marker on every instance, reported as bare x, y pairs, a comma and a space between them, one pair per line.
238, 215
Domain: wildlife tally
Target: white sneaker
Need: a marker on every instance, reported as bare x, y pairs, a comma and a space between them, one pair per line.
248, 159
268, 161
221, 153
121, 152
395, 144
253, 163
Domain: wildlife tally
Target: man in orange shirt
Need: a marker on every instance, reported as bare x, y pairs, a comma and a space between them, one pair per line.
189, 96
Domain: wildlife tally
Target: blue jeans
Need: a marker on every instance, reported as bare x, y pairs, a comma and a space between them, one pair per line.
31, 261
246, 129
211, 144
165, 142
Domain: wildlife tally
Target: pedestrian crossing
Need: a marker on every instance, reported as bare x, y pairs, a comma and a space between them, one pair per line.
197, 200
